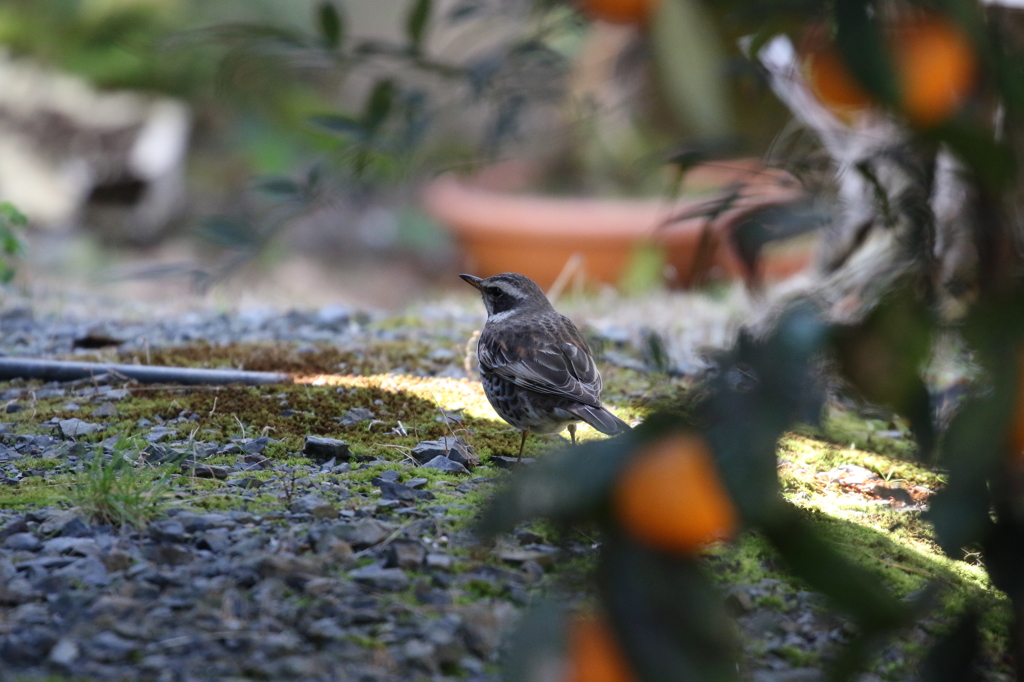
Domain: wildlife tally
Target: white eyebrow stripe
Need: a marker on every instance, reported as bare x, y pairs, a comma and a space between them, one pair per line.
507, 287
498, 317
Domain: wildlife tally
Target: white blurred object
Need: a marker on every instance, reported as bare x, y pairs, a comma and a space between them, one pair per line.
71, 154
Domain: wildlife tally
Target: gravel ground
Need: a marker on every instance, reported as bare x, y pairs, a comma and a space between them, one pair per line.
320, 562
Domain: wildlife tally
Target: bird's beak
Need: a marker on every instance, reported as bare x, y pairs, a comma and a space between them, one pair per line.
475, 281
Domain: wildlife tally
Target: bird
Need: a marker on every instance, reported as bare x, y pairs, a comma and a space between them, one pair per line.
537, 371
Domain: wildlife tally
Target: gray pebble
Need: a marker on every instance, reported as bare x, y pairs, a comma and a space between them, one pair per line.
23, 542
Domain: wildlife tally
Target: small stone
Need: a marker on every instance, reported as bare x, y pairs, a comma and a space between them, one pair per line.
543, 556
442, 463
326, 630
402, 493
247, 483
195, 524
438, 561
482, 625
407, 554
510, 463
355, 415
428, 450
281, 565
172, 555
417, 482
116, 561
75, 528
391, 476
72, 407
71, 545
375, 575
168, 531
23, 542
209, 471
75, 428
110, 648
105, 410
364, 533
315, 505
323, 449
739, 601
256, 446
158, 434
64, 652
12, 408
214, 540
19, 525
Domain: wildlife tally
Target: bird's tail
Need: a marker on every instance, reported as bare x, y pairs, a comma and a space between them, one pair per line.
600, 418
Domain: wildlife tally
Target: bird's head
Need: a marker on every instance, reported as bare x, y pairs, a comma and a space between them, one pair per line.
508, 293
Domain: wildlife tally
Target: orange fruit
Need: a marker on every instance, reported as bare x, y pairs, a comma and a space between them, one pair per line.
594, 654
619, 11
936, 67
833, 85
671, 498
935, 70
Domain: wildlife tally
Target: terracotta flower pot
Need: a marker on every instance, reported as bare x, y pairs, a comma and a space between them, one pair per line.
502, 231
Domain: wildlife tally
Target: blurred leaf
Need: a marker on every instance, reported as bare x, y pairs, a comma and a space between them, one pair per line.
991, 161
971, 450
953, 657
853, 590
340, 125
283, 189
537, 644
864, 49
767, 381
690, 62
229, 232
768, 224
378, 105
332, 26
416, 119
883, 358
570, 484
12, 215
505, 126
670, 619
417, 22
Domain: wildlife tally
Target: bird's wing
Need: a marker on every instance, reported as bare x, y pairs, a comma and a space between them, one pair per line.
561, 367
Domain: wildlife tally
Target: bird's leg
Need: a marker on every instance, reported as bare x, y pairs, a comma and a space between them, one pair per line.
522, 443
572, 433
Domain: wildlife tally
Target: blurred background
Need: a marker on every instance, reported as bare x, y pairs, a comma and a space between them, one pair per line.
314, 151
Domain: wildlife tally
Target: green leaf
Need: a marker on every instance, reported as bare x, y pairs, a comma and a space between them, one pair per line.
761, 388
417, 22
332, 25
670, 619
569, 484
690, 62
378, 105
864, 50
12, 215
884, 355
954, 656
